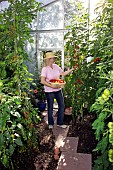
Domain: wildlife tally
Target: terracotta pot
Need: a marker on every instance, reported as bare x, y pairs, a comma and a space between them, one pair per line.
68, 111
56, 157
56, 151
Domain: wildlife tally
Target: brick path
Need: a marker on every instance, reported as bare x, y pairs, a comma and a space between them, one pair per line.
69, 159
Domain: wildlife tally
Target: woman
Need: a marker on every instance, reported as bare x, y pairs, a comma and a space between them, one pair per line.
53, 71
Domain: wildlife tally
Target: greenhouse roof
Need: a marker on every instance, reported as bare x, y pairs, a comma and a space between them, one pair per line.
46, 2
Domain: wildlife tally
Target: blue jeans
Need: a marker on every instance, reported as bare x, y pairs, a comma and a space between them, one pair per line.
50, 101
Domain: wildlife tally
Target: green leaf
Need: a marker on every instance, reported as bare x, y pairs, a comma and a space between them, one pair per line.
7, 135
17, 101
30, 79
11, 149
18, 142
22, 131
110, 1
102, 163
102, 116
102, 144
17, 114
99, 126
3, 73
31, 41
19, 126
19, 49
1, 139
5, 160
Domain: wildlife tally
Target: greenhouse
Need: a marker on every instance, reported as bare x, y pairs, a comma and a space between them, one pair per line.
56, 84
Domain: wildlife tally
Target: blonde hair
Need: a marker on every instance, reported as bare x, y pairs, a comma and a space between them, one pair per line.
46, 62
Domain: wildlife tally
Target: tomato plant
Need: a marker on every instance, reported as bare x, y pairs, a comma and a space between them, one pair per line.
15, 130
91, 84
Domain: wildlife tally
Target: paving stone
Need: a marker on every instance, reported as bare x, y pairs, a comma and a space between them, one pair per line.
60, 135
70, 144
60, 131
83, 161
66, 162
79, 161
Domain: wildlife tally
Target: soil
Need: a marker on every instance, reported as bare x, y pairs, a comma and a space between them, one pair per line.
43, 158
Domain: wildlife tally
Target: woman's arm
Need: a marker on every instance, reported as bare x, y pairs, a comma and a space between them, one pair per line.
44, 82
65, 73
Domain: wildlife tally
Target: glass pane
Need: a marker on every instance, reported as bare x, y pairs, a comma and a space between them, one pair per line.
53, 18
3, 5
31, 50
51, 40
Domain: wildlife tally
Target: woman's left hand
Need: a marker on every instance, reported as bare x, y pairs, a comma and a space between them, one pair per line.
75, 67
55, 86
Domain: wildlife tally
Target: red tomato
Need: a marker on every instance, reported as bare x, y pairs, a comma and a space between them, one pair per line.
77, 65
80, 81
61, 81
53, 80
77, 47
75, 51
57, 81
79, 97
97, 59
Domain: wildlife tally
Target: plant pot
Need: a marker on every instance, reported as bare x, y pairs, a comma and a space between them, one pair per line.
56, 157
68, 111
41, 106
56, 151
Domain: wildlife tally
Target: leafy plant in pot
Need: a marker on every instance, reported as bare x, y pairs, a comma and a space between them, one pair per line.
68, 108
38, 96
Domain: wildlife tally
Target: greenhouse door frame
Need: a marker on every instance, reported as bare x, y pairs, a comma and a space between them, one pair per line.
38, 50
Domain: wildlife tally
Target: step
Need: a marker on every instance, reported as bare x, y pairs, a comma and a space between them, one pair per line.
83, 161
79, 161
66, 161
70, 144
60, 134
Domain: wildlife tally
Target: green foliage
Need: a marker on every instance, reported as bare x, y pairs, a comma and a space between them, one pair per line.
99, 162
92, 82
77, 50
103, 103
16, 118
37, 91
17, 115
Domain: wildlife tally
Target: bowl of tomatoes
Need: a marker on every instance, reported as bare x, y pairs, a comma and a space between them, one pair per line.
61, 82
